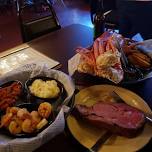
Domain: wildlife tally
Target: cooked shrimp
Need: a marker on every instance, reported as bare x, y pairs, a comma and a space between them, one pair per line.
14, 118
8, 109
6, 119
23, 114
12, 110
36, 118
27, 126
45, 109
18, 120
14, 128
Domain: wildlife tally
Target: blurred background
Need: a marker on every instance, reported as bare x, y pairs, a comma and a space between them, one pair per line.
69, 12
129, 18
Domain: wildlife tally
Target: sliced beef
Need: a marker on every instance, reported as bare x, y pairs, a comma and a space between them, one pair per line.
119, 118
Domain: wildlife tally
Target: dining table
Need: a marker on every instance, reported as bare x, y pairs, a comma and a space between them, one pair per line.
61, 46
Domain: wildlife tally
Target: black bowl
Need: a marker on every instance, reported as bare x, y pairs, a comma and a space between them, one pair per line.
32, 98
30, 107
15, 93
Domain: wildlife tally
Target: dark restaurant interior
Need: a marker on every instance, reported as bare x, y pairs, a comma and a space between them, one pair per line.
97, 57
69, 12
81, 12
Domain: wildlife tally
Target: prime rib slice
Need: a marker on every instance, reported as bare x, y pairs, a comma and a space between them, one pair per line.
119, 118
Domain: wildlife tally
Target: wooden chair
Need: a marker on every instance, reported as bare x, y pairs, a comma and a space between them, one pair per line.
37, 25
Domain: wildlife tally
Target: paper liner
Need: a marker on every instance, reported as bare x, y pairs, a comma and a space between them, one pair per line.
146, 46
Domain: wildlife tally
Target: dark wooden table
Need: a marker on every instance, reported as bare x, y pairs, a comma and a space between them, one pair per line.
60, 45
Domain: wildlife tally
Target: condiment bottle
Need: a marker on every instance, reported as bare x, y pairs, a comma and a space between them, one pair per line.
99, 20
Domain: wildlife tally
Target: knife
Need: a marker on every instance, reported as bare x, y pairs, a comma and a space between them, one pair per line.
100, 142
118, 99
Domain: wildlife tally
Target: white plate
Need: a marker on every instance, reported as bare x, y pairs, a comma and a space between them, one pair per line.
88, 135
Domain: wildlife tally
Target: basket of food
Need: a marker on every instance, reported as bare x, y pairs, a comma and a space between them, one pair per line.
31, 109
111, 59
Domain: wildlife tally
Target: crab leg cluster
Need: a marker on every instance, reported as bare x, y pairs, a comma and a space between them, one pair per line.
102, 59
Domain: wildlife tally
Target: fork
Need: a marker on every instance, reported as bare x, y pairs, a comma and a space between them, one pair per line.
100, 142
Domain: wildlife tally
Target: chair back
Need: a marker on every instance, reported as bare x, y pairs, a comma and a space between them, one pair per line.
38, 25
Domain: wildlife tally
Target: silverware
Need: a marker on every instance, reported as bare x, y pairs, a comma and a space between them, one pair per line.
120, 100
100, 142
